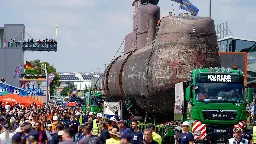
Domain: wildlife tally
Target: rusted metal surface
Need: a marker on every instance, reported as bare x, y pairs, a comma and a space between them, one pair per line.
150, 73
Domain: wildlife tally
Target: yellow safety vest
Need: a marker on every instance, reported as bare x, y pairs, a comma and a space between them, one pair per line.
254, 134
95, 128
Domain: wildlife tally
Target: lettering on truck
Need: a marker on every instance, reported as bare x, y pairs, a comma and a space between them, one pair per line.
220, 78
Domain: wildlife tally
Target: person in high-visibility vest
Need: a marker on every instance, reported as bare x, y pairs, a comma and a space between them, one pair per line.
95, 127
253, 133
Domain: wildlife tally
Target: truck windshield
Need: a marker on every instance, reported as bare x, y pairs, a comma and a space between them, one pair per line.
219, 92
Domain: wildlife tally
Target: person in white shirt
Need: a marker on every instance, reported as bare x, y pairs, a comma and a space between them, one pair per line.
6, 136
7, 107
238, 137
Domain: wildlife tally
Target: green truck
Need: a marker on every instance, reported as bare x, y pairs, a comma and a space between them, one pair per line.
214, 101
93, 101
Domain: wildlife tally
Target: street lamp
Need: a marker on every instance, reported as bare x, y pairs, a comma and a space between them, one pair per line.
44, 67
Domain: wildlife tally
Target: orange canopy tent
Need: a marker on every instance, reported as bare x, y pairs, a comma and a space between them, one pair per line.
13, 98
33, 100
71, 104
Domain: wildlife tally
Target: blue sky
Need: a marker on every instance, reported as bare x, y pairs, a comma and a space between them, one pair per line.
90, 31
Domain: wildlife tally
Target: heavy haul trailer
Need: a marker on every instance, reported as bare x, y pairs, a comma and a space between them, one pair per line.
214, 101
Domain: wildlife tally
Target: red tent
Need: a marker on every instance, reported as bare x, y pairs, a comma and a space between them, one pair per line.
13, 98
33, 100
71, 104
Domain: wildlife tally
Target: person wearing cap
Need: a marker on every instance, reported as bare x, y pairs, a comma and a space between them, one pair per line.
156, 137
123, 129
114, 137
137, 135
30, 135
237, 139
186, 137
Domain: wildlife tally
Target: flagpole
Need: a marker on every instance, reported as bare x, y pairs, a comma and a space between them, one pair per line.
210, 9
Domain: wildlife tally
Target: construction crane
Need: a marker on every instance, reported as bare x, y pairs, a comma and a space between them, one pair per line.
184, 4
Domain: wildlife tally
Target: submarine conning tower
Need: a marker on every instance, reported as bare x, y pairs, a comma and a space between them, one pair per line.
145, 17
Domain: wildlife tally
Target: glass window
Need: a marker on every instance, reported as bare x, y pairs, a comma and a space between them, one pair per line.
219, 92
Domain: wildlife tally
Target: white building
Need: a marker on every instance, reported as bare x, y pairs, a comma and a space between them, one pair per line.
80, 80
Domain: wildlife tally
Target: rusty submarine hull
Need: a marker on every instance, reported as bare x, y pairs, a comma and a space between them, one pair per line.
157, 57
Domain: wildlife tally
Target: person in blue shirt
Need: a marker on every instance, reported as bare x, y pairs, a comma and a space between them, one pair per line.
75, 126
104, 135
123, 129
55, 137
137, 135
186, 137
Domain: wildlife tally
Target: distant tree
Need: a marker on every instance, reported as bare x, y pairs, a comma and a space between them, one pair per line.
50, 69
65, 91
68, 90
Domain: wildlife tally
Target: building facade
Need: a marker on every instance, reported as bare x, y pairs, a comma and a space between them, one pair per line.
11, 57
81, 81
235, 44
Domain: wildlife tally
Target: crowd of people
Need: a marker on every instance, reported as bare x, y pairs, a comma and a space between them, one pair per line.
39, 125
61, 125
14, 43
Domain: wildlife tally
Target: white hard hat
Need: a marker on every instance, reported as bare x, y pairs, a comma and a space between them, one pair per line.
78, 113
91, 113
113, 119
186, 123
55, 118
99, 115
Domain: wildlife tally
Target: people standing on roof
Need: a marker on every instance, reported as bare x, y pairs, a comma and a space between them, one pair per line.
156, 137
186, 137
238, 139
137, 135
2, 80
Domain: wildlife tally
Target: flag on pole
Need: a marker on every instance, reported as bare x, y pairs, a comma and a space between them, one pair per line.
56, 32
17, 70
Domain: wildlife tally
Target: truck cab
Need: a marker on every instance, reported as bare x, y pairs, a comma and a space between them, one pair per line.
214, 102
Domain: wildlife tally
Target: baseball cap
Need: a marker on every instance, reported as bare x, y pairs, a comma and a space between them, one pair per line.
126, 136
151, 126
185, 123
122, 121
237, 130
